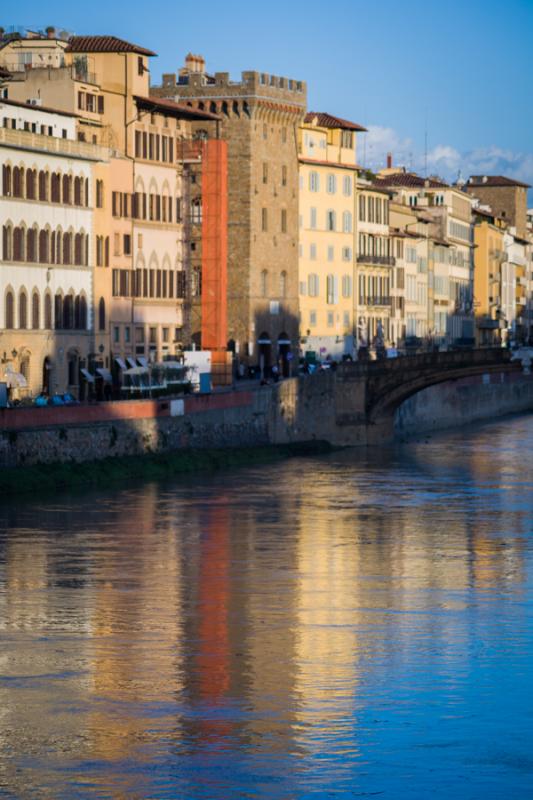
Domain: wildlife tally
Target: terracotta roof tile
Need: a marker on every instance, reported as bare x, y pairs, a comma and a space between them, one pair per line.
325, 120
179, 109
104, 44
410, 180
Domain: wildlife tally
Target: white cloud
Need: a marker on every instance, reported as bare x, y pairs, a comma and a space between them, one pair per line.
443, 159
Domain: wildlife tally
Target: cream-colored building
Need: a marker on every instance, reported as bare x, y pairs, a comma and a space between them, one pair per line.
147, 195
440, 267
375, 264
327, 241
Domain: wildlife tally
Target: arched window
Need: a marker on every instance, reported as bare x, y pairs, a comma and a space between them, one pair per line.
86, 193
67, 189
6, 242
68, 312
24, 368
18, 244
58, 312
78, 249
43, 247
43, 185
55, 189
67, 242
264, 283
77, 191
23, 310
10, 311
31, 244
83, 313
101, 314
283, 284
18, 181
30, 184
35, 315
47, 312
6, 180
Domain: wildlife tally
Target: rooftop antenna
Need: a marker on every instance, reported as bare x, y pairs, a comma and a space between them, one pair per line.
426, 144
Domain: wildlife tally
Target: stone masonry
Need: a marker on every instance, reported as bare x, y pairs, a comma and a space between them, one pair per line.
260, 117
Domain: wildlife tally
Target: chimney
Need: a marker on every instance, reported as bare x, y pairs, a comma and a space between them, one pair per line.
389, 160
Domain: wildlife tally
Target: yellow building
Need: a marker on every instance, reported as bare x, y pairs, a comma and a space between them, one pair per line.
489, 257
327, 242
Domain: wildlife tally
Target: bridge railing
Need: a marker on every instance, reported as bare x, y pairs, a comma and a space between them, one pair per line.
490, 357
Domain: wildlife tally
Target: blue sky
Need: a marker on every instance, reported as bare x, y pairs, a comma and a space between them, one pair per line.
460, 70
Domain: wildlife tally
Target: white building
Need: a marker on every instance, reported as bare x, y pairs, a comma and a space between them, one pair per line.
46, 266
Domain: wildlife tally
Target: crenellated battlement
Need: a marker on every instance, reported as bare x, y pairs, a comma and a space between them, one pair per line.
193, 80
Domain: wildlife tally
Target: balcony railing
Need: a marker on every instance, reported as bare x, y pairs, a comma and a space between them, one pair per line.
380, 261
375, 300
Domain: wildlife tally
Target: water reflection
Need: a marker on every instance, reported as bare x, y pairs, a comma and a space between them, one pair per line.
339, 625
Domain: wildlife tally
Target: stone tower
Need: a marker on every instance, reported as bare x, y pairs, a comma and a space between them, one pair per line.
260, 117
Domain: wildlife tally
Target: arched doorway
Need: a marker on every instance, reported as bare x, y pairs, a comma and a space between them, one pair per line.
264, 345
47, 376
73, 372
284, 354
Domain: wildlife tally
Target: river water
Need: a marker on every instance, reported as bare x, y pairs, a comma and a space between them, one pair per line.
345, 626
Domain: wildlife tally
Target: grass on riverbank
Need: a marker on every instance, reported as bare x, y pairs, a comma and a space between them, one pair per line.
49, 478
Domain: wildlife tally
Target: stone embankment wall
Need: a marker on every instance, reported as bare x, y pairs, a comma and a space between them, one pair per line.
295, 410
464, 401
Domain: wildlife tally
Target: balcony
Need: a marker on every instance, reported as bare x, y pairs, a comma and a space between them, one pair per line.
379, 261
375, 300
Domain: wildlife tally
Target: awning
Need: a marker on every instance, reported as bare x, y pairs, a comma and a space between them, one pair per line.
136, 371
264, 341
15, 380
87, 375
105, 374
131, 361
122, 364
284, 341
143, 361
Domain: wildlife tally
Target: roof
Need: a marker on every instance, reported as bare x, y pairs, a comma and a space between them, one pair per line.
325, 120
494, 180
179, 110
48, 109
334, 164
410, 180
5, 73
104, 44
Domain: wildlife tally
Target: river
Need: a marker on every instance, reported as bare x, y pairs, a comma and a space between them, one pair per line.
352, 625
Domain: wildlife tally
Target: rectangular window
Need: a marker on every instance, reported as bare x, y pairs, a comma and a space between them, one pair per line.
116, 244
89, 103
331, 253
312, 318
153, 335
284, 220
264, 219
312, 221
81, 101
331, 319
312, 252
127, 335
265, 172
165, 334
127, 244
140, 66
116, 334
283, 175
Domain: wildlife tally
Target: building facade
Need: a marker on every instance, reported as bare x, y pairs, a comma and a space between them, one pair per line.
260, 115
46, 215
328, 235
